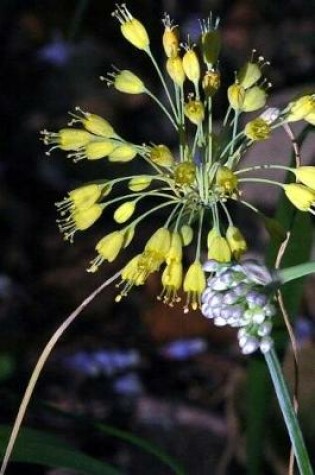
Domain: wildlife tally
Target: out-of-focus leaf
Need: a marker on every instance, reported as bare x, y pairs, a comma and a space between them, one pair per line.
259, 385
41, 448
296, 272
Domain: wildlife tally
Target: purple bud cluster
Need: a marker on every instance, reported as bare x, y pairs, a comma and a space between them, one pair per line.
239, 295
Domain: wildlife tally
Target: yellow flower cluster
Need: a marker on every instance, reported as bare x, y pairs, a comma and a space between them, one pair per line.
196, 181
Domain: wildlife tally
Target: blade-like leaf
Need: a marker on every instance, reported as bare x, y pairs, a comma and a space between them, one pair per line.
296, 272
40, 448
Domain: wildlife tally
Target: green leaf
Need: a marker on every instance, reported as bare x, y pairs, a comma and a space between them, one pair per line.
296, 272
41, 448
259, 387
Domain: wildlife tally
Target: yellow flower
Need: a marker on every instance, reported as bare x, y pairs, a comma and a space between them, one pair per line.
127, 82
185, 173
310, 118
174, 67
301, 108
218, 248
306, 175
249, 74
66, 139
93, 123
194, 284
255, 98
132, 29
191, 65
131, 275
187, 234
159, 244
302, 197
172, 278
79, 220
108, 249
195, 111
93, 150
161, 155
236, 241
226, 180
124, 212
170, 38
211, 82
236, 96
85, 196
175, 252
122, 153
257, 129
139, 183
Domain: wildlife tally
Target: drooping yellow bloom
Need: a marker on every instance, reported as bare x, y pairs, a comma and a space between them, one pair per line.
302, 197
175, 252
306, 175
122, 153
172, 279
218, 247
108, 249
126, 81
139, 183
301, 108
236, 96
161, 155
194, 284
133, 274
66, 139
255, 98
159, 244
191, 65
310, 118
236, 241
79, 219
174, 67
257, 129
124, 212
85, 196
195, 111
93, 123
132, 29
93, 150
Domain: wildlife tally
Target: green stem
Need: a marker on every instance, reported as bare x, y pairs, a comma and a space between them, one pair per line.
289, 415
159, 103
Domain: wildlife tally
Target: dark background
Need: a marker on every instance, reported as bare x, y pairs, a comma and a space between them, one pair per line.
172, 379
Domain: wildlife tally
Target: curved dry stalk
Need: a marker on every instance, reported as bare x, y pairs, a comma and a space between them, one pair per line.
40, 364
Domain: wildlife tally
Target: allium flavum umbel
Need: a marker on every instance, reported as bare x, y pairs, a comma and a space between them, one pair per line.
194, 183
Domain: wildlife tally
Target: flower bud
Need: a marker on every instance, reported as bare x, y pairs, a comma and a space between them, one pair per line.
257, 129
162, 156
187, 234
236, 96
122, 153
85, 196
127, 82
97, 149
124, 212
139, 183
195, 111
191, 65
66, 139
174, 67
